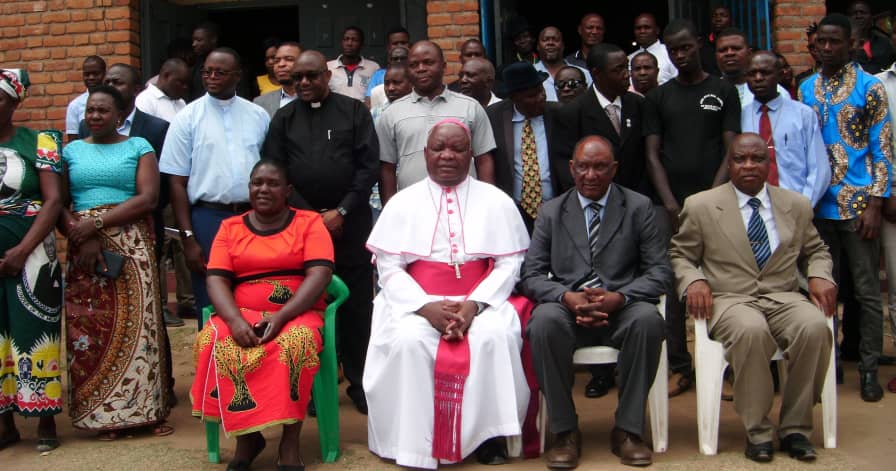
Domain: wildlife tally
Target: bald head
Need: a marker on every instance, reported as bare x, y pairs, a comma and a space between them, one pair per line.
312, 78
477, 77
470, 49
748, 163
174, 78
593, 167
427, 67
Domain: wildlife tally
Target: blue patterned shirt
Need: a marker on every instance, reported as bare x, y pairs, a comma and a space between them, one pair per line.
851, 107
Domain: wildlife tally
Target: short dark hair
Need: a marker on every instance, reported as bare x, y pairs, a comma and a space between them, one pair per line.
811, 29
576, 69
290, 43
229, 51
211, 28
678, 25
172, 64
97, 59
733, 31
597, 56
132, 71
357, 29
120, 104
269, 43
279, 165
396, 30
653, 58
838, 20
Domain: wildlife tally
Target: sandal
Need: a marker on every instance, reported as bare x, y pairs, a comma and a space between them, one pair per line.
107, 436
162, 430
47, 444
10, 440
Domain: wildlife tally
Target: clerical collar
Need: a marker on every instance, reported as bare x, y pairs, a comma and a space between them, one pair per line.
222, 102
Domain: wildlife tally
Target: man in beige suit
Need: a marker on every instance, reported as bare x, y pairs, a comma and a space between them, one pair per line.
736, 258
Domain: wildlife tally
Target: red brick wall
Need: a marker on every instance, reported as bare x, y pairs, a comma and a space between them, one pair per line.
51, 38
789, 23
450, 23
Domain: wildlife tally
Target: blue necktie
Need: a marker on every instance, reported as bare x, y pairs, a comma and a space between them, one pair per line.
757, 235
593, 231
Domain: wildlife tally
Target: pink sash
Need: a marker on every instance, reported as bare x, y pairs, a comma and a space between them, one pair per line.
452, 364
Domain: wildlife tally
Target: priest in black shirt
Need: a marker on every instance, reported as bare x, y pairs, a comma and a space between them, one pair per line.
329, 144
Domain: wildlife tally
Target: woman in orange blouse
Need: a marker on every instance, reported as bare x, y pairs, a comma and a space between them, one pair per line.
257, 356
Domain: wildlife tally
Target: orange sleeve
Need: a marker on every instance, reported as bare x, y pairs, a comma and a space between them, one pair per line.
318, 244
219, 260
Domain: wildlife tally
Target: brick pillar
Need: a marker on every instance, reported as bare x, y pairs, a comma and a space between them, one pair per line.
449, 24
789, 22
51, 38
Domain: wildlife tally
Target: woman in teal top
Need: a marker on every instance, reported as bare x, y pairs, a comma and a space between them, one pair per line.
30, 275
114, 325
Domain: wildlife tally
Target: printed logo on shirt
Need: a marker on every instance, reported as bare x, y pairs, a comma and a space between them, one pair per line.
711, 102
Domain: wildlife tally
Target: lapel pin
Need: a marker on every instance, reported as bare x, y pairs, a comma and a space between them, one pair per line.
628, 122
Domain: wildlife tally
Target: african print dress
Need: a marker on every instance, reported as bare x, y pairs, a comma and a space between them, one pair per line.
114, 325
248, 389
31, 302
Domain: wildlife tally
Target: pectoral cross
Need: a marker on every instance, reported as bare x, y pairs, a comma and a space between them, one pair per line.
456, 269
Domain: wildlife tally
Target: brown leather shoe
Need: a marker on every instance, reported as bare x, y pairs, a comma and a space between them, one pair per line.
564, 454
678, 383
630, 449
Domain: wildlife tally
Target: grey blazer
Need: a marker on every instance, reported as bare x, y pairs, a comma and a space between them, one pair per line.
631, 256
270, 101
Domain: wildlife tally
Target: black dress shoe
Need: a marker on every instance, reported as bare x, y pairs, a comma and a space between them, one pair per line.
798, 447
838, 373
492, 451
358, 398
599, 386
870, 388
760, 452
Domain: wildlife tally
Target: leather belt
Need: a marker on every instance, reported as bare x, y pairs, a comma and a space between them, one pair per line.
235, 208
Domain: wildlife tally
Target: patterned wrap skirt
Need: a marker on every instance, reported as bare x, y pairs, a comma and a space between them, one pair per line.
114, 326
249, 389
30, 324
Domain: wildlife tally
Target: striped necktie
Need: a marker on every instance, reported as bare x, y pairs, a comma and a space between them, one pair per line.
757, 235
593, 231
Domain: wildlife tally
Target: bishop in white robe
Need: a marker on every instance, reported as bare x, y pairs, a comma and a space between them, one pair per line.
443, 373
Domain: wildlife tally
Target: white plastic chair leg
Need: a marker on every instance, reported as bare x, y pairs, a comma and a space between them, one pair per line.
709, 358
658, 399
829, 400
542, 421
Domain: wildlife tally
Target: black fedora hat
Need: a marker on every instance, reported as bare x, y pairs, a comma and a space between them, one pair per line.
522, 75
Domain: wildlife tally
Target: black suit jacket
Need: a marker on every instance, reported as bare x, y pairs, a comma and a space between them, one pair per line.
585, 117
500, 115
153, 130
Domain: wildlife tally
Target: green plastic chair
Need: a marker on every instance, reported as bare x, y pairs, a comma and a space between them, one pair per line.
325, 388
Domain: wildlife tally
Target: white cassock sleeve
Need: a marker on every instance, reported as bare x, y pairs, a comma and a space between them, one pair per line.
401, 292
498, 285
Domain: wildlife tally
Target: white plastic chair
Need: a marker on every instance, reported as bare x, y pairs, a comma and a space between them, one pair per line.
709, 358
657, 399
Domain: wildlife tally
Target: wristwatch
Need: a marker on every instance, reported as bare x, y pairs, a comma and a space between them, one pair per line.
185, 234
342, 211
480, 306
98, 222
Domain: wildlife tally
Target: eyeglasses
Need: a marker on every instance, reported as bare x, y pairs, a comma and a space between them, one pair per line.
311, 76
568, 84
215, 73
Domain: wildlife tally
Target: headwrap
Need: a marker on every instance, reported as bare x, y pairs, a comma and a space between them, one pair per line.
14, 82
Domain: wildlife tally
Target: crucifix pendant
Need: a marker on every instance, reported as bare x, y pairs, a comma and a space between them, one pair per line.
456, 269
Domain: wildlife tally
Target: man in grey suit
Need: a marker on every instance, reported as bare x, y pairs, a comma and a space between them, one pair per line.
596, 268
284, 68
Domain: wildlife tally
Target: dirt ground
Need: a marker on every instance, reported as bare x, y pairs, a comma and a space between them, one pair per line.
866, 437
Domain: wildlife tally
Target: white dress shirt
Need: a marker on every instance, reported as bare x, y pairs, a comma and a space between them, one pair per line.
765, 210
154, 102
667, 70
75, 113
215, 143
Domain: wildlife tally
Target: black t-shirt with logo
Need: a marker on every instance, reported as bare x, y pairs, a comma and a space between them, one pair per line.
690, 120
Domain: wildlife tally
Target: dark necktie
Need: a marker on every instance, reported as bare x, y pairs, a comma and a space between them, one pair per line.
765, 130
593, 230
757, 235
